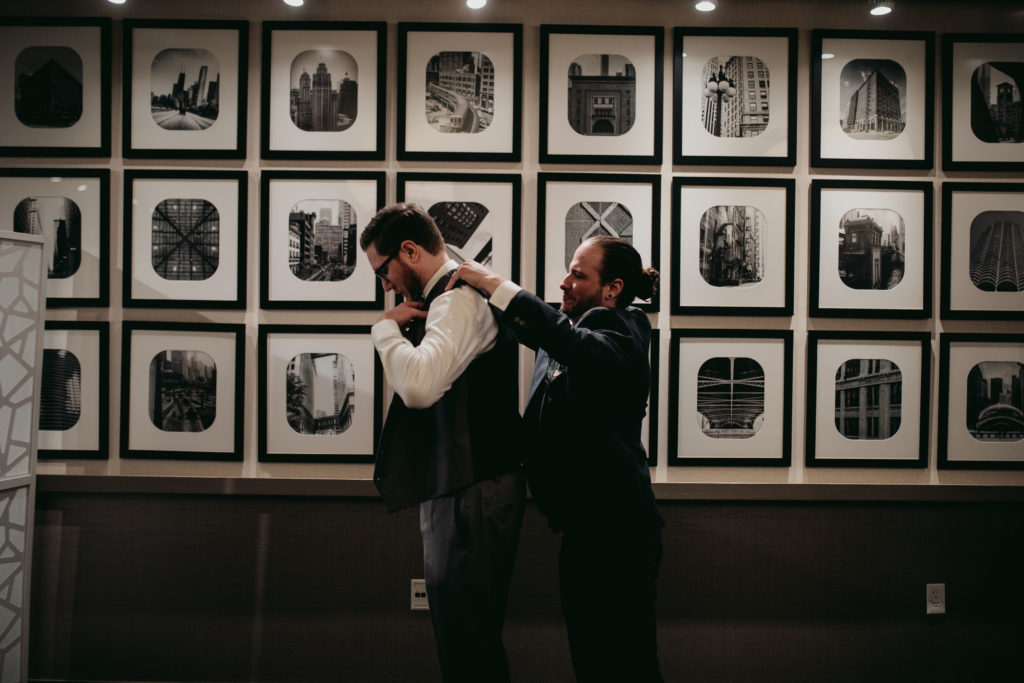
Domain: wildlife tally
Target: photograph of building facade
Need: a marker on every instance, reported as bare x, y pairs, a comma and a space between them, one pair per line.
995, 405
745, 113
602, 94
732, 246
591, 219
315, 104
48, 87
59, 221
186, 239
459, 223
320, 393
997, 114
322, 240
186, 87
997, 251
182, 391
876, 109
730, 397
869, 395
60, 398
460, 92
872, 248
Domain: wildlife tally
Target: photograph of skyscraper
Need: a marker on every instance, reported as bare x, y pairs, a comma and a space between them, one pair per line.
995, 405
872, 248
320, 393
322, 240
730, 397
185, 89
59, 221
873, 99
182, 391
869, 398
590, 219
60, 401
459, 223
733, 246
997, 114
48, 86
186, 239
460, 92
324, 94
997, 251
737, 99
602, 94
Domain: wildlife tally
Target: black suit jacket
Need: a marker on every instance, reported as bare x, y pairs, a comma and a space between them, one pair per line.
585, 461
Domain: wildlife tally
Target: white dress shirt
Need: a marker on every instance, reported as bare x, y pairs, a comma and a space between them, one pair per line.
459, 327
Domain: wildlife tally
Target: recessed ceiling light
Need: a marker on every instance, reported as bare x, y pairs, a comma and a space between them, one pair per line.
706, 5
827, 55
881, 7
475, 4
294, 3
116, 2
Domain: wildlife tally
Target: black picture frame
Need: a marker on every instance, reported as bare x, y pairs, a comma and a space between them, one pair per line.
143, 286
357, 140
835, 448
692, 141
960, 358
560, 140
423, 141
218, 342
143, 136
963, 297
94, 401
727, 451
866, 46
89, 134
353, 447
652, 399
965, 115
775, 297
88, 286
829, 290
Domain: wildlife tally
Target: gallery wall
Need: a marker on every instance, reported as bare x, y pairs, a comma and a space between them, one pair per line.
813, 328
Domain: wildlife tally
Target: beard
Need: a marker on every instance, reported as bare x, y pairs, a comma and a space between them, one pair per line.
575, 307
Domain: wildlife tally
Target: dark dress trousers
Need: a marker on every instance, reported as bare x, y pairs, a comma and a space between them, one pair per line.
587, 471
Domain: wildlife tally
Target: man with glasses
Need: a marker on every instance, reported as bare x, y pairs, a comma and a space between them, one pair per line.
451, 441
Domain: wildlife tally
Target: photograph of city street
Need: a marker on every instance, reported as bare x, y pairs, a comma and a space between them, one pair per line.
186, 239
322, 240
872, 248
602, 94
182, 391
185, 89
997, 114
873, 99
320, 393
324, 90
48, 87
730, 397
590, 219
997, 251
60, 401
736, 96
460, 92
995, 401
732, 246
459, 223
59, 221
869, 395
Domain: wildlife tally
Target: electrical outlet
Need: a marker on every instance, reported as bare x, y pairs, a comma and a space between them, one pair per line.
418, 595
935, 598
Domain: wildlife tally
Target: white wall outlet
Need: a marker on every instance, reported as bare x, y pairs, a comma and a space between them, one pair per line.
935, 598
418, 595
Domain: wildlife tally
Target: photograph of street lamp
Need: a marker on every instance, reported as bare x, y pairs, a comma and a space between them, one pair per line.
736, 96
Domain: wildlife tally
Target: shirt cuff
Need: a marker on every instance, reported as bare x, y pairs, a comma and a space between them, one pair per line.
502, 296
383, 329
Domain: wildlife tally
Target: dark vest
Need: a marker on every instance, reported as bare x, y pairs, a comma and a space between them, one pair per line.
471, 434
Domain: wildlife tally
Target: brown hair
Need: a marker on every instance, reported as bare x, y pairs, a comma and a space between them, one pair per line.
397, 223
620, 260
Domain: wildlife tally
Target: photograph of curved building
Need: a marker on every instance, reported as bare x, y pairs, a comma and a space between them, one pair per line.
320, 393
732, 246
997, 251
995, 406
460, 92
739, 104
186, 239
59, 221
872, 98
316, 104
602, 94
459, 223
322, 240
872, 248
60, 400
185, 89
182, 391
997, 114
590, 219
730, 397
869, 397
48, 86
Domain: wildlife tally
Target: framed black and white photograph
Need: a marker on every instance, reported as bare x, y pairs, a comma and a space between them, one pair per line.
185, 239
182, 390
460, 92
867, 399
730, 397
70, 208
74, 399
872, 100
981, 409
734, 96
185, 88
574, 206
55, 74
320, 394
309, 239
982, 110
871, 249
982, 251
479, 214
323, 90
601, 94
732, 246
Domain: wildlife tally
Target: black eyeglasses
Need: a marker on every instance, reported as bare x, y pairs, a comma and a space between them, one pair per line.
379, 271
